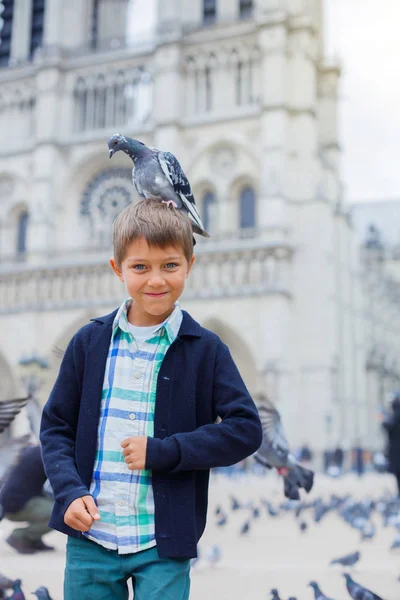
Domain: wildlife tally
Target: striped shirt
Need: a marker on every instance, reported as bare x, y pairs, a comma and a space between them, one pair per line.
124, 497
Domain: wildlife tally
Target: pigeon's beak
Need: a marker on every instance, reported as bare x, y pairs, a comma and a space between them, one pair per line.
110, 152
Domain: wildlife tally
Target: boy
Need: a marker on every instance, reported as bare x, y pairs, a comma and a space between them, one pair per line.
129, 432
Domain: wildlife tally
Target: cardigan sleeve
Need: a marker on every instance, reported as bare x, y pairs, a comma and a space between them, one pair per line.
59, 425
235, 437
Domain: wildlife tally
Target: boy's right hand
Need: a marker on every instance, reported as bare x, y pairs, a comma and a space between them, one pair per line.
81, 513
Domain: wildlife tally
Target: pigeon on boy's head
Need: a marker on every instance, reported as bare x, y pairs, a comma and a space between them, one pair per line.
159, 176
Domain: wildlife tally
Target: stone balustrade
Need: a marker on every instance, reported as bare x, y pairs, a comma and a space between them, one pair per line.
258, 267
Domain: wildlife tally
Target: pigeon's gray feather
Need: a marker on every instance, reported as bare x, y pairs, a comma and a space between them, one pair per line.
275, 452
9, 409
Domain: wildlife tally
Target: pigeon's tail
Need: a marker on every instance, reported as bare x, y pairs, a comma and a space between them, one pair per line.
199, 230
298, 477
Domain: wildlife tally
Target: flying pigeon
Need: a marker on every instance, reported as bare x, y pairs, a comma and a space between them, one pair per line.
275, 452
158, 175
5, 584
318, 594
347, 561
42, 593
357, 591
9, 410
18, 593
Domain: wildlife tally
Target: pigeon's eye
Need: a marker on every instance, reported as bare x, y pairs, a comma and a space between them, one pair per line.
115, 142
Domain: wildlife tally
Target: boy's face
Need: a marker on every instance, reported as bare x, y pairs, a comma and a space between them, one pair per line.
154, 278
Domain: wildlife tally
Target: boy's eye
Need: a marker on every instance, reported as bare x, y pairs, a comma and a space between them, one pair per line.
139, 267
171, 265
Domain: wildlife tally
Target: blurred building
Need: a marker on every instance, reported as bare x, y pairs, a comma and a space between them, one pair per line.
242, 93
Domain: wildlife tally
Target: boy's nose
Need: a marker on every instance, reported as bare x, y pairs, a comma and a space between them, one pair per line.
156, 280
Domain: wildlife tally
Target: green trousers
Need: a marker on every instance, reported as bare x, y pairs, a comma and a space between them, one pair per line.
92, 572
36, 513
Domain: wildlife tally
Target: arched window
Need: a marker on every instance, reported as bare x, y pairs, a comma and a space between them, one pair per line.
247, 208
209, 211
209, 12
22, 227
246, 9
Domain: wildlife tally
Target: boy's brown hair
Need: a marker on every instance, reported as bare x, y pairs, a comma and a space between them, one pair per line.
158, 223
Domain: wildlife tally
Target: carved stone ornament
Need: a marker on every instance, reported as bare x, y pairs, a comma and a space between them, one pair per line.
223, 160
7, 187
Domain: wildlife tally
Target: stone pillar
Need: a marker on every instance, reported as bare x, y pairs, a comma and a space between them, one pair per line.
227, 10
168, 97
53, 23
191, 12
21, 30
77, 22
47, 163
273, 122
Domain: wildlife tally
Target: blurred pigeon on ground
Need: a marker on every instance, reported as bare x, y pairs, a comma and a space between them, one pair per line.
256, 513
158, 176
348, 560
245, 528
9, 409
5, 584
214, 555
318, 594
357, 591
396, 542
235, 505
42, 593
222, 521
18, 593
303, 526
368, 531
275, 594
275, 452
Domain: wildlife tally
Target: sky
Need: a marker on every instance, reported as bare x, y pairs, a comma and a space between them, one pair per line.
365, 35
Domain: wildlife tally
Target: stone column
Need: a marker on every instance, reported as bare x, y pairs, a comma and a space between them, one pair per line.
227, 10
274, 120
21, 30
48, 165
168, 96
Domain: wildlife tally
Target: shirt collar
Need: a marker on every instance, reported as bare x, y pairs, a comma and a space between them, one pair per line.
171, 324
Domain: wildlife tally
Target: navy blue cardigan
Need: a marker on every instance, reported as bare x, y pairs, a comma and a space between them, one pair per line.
197, 382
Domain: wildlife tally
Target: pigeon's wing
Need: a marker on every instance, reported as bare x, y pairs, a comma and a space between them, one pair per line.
9, 454
9, 410
273, 432
136, 184
177, 178
58, 352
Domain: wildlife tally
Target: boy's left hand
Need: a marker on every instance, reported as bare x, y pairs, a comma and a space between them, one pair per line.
134, 450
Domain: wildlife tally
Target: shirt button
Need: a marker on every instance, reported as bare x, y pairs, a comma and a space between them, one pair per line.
121, 503
132, 416
138, 375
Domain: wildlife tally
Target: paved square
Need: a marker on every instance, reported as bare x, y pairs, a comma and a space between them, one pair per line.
273, 554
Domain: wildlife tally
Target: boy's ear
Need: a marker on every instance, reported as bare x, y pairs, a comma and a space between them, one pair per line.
116, 269
190, 265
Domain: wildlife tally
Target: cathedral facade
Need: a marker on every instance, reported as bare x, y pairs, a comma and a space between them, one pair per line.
242, 93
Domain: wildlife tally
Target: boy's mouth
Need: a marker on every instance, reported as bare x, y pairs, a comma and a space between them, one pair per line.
152, 295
